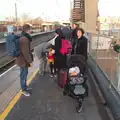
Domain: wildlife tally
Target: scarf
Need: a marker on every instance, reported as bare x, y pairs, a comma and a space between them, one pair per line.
26, 35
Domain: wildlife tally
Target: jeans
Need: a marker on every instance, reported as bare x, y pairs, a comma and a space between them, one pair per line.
23, 77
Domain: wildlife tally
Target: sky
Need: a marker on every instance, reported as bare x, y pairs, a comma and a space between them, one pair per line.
109, 7
48, 9
52, 9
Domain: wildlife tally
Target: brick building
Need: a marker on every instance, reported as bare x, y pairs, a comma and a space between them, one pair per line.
78, 11
3, 25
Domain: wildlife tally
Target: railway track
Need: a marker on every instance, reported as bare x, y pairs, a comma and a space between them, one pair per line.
6, 61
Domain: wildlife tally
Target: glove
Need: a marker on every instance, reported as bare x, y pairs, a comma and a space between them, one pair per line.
29, 64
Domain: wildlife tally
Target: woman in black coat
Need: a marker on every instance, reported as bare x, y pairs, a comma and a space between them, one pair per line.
60, 60
80, 45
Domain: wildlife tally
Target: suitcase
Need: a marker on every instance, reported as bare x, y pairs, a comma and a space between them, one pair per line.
62, 77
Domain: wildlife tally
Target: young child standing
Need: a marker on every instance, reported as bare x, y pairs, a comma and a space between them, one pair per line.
40, 52
51, 62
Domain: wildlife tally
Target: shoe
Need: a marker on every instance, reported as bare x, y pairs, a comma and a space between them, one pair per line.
51, 76
80, 106
41, 74
55, 76
25, 93
29, 89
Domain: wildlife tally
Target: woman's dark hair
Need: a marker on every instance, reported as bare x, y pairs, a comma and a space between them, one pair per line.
80, 29
59, 32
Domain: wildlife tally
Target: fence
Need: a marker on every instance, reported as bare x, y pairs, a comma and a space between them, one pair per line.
105, 57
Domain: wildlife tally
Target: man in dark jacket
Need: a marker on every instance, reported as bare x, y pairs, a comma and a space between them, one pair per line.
25, 59
74, 32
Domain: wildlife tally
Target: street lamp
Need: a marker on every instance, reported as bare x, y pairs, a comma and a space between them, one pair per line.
16, 12
16, 17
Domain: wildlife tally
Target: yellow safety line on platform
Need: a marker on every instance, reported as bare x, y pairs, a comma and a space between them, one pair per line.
9, 107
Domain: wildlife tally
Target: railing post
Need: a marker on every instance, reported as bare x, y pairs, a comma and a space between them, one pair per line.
90, 45
97, 47
88, 36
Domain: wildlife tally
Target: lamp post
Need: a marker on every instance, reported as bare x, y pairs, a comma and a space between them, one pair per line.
16, 12
16, 17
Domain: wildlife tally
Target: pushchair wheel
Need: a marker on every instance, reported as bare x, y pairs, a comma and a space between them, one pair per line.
80, 106
64, 93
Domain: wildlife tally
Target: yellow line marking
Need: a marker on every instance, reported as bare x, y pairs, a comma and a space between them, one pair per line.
9, 107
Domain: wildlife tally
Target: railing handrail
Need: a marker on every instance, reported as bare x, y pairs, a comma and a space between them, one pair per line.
105, 72
99, 35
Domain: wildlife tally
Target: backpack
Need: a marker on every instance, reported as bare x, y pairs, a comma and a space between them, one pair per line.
12, 45
65, 47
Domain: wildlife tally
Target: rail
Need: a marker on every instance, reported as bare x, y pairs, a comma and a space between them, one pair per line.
105, 65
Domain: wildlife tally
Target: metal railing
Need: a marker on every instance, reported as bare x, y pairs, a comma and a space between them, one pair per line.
106, 58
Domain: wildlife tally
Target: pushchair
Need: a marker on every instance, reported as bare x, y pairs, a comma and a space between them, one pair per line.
76, 86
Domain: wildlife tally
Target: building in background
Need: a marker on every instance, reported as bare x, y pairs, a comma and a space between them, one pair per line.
110, 26
78, 11
3, 25
85, 14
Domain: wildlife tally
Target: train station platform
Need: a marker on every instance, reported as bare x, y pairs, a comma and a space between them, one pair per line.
47, 101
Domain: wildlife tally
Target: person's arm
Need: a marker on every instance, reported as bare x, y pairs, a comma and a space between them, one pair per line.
85, 48
25, 49
58, 44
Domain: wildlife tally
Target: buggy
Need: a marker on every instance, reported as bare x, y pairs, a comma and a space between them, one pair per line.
76, 86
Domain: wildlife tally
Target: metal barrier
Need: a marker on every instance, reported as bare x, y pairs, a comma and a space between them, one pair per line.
105, 65
106, 58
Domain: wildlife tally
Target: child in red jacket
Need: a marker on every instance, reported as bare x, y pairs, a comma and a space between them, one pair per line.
51, 62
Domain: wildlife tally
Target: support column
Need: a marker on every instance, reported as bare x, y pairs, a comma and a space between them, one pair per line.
91, 11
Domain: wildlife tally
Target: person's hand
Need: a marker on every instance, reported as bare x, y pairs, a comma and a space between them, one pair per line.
30, 64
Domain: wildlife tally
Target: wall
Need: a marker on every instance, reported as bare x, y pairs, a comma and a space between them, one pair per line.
91, 8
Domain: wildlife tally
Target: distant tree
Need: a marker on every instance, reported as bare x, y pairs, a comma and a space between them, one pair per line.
10, 18
37, 20
57, 24
25, 17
